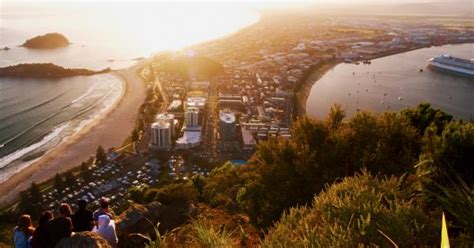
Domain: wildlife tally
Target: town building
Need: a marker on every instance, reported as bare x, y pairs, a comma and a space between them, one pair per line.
195, 102
248, 141
191, 117
227, 125
160, 136
191, 138
169, 118
175, 106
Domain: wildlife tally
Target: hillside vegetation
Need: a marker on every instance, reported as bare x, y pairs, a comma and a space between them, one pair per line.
373, 180
45, 70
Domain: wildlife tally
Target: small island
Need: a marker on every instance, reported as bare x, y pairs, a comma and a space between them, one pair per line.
45, 70
47, 41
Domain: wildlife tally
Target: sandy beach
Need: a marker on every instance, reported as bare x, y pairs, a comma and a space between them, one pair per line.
108, 130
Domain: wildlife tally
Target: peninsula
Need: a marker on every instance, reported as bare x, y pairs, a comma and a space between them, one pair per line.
45, 70
47, 41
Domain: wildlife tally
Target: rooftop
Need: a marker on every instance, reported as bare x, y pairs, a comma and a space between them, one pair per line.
160, 125
227, 116
190, 136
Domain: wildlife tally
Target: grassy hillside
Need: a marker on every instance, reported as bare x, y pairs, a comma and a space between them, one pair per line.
373, 180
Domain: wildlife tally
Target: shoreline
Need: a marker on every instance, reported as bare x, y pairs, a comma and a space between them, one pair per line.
301, 96
109, 130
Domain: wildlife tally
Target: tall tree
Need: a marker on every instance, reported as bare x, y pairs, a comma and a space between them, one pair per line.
35, 199
69, 178
135, 135
100, 155
58, 183
85, 172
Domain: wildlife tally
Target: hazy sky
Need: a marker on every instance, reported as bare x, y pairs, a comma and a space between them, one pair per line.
250, 1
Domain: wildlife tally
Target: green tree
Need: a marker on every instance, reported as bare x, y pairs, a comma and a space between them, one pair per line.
134, 135
139, 124
447, 154
85, 173
199, 183
30, 200
335, 117
69, 179
319, 153
100, 156
58, 183
136, 194
424, 116
24, 204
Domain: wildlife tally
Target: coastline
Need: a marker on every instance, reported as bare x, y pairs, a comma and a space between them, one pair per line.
301, 96
109, 130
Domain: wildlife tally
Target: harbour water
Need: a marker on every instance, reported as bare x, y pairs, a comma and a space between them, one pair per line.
395, 82
38, 114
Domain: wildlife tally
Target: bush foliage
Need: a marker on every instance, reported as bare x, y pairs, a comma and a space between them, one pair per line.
355, 212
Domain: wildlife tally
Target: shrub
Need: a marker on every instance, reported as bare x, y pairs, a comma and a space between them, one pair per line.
355, 212
177, 193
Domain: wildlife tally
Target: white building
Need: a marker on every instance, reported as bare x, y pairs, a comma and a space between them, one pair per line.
191, 138
227, 125
191, 117
169, 118
160, 136
200, 85
175, 105
195, 102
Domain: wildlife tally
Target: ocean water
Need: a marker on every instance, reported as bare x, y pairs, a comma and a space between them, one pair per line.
395, 82
36, 115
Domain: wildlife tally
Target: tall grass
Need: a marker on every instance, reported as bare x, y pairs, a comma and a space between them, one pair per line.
204, 234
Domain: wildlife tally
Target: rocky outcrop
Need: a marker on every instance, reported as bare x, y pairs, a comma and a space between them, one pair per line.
83, 239
47, 41
141, 219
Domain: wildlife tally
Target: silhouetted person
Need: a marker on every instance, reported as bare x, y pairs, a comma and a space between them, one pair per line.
23, 232
103, 209
40, 238
82, 219
60, 227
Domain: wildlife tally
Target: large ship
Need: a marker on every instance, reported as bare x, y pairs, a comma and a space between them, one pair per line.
452, 64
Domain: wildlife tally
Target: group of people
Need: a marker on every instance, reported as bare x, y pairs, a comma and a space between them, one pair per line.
51, 230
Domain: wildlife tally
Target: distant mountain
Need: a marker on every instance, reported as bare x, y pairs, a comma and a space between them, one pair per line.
47, 41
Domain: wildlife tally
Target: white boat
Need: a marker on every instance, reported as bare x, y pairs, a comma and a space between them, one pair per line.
452, 64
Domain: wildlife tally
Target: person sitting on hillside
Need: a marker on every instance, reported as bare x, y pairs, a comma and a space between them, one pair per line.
60, 227
103, 209
23, 232
82, 219
40, 238
106, 229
